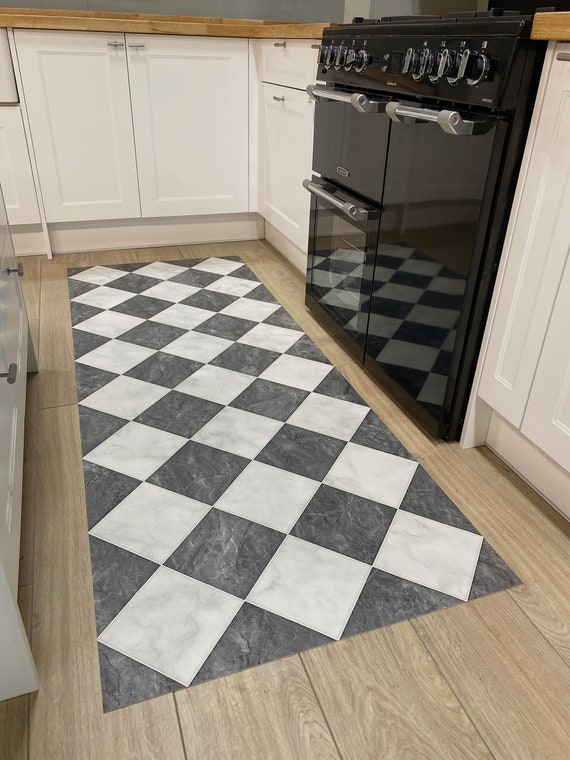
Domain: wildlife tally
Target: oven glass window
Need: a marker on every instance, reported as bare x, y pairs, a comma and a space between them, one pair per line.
340, 264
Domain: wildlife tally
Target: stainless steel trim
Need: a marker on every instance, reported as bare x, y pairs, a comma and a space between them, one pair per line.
11, 374
279, 99
357, 100
450, 121
116, 44
563, 56
356, 213
280, 44
19, 270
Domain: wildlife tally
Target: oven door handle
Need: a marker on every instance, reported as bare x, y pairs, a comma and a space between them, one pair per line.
450, 121
352, 211
357, 100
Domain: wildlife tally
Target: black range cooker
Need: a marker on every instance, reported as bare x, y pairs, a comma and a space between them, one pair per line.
420, 126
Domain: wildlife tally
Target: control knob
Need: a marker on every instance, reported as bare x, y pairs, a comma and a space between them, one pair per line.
426, 63
479, 69
323, 52
350, 59
411, 61
446, 63
330, 57
340, 58
362, 61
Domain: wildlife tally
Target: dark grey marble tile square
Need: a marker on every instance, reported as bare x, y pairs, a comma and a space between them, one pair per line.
144, 307
424, 497
125, 681
492, 573
117, 576
345, 523
134, 283
374, 434
83, 342
179, 413
335, 386
77, 287
282, 318
302, 451
152, 335
270, 399
131, 266
387, 599
306, 349
90, 379
195, 277
96, 427
104, 489
163, 369
223, 326
227, 552
82, 311
210, 300
199, 472
247, 359
261, 293
254, 637
244, 273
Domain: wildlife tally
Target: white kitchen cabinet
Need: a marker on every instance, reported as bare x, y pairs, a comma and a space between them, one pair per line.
77, 95
17, 672
15, 169
190, 112
291, 63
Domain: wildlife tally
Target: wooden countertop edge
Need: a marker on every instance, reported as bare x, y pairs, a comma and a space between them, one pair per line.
154, 24
551, 26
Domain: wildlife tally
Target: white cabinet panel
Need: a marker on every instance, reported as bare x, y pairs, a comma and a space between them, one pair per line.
77, 94
292, 63
535, 250
8, 89
190, 111
15, 169
286, 150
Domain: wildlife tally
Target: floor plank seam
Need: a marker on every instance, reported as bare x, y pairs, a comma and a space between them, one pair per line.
322, 709
537, 629
180, 726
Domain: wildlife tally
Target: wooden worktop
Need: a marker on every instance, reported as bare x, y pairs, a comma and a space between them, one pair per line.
551, 26
39, 18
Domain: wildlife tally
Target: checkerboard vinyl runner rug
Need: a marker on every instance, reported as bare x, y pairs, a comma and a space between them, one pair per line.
243, 502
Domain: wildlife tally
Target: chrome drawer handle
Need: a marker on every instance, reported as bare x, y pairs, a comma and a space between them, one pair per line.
356, 213
450, 121
136, 45
357, 100
563, 56
280, 44
280, 99
116, 44
11, 374
19, 270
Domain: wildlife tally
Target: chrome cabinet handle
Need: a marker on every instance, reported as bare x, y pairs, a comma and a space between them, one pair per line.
11, 374
136, 45
357, 100
116, 44
450, 121
279, 99
280, 44
356, 213
563, 56
19, 270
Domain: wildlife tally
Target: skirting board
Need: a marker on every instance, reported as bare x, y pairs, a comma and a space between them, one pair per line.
139, 233
532, 464
286, 248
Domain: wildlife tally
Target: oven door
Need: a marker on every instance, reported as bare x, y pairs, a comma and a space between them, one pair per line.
343, 236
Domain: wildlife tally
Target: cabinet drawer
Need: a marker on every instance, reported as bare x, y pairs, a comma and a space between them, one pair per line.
291, 63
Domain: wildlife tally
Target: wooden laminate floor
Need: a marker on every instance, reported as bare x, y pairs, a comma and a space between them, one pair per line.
487, 679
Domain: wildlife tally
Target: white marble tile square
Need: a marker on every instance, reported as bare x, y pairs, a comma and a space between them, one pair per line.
347, 254
218, 265
430, 553
372, 474
98, 275
327, 279
329, 416
116, 356
311, 585
380, 325
103, 297
151, 522
238, 432
399, 251
429, 315
271, 337
215, 384
171, 291
268, 495
161, 270
397, 292
180, 315
449, 342
197, 346
247, 308
417, 266
172, 624
402, 353
136, 450
233, 286
297, 372
125, 397
449, 285
110, 324
433, 390
345, 299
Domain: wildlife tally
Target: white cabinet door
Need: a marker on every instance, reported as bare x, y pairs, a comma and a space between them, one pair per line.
190, 111
77, 94
15, 169
286, 141
536, 248
292, 63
